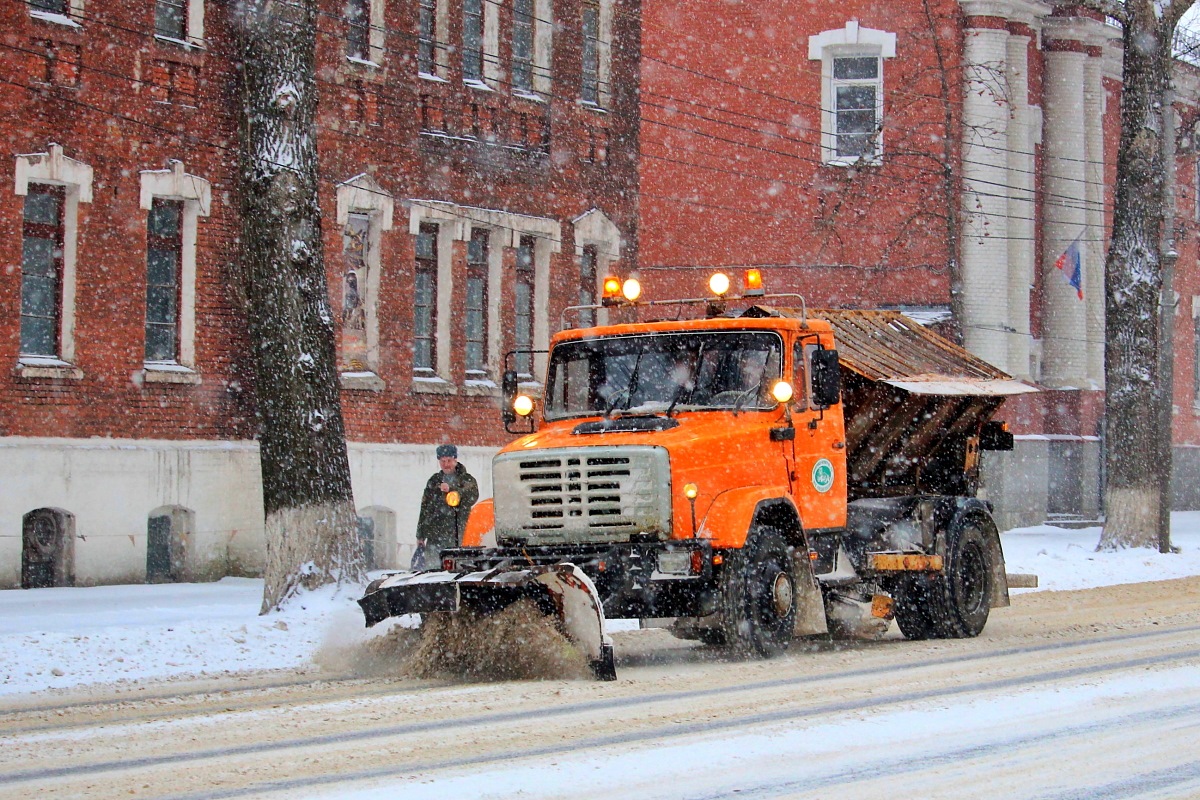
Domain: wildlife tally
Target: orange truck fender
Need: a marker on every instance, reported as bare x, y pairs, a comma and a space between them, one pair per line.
481, 522
728, 520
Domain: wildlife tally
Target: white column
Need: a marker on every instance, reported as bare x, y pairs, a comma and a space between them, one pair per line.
1065, 359
1093, 270
1021, 210
985, 196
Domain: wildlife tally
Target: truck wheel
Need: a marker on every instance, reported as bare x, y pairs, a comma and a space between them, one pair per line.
955, 604
758, 597
912, 607
966, 587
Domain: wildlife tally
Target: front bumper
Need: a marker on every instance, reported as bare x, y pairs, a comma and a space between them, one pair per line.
627, 575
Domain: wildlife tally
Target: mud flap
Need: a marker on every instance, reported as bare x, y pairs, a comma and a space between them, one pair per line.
562, 591
810, 605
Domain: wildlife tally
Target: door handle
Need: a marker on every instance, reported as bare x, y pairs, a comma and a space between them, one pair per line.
839, 445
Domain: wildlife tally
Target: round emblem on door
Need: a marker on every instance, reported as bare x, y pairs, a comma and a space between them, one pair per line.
822, 475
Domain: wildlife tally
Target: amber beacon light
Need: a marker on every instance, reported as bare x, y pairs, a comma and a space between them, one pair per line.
753, 283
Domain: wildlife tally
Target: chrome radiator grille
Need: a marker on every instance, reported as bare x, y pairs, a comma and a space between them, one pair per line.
584, 494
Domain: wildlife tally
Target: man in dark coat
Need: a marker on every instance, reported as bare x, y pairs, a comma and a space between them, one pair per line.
441, 525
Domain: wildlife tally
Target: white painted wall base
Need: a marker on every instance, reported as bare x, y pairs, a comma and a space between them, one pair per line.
111, 486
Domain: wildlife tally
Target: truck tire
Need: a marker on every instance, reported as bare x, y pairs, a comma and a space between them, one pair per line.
758, 597
912, 607
955, 604
967, 584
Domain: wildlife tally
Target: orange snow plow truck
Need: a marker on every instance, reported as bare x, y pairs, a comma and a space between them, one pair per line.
741, 479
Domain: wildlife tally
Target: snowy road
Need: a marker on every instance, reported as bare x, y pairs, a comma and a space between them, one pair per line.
1090, 694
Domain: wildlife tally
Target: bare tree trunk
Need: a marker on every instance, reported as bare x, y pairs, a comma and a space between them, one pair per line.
951, 187
1133, 275
311, 526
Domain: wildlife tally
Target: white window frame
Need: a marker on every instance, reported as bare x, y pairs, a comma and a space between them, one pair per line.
362, 194
176, 183
594, 228
54, 168
849, 42
193, 26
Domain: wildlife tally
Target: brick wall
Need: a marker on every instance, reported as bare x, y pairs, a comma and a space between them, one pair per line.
120, 100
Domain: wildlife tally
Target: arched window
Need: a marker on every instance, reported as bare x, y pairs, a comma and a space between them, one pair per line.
852, 91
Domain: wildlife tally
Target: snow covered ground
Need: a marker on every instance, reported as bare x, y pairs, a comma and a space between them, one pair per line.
63, 638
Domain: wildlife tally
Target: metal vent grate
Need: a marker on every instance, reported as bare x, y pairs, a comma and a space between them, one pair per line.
582, 495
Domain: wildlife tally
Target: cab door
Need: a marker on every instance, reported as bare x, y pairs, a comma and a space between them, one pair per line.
819, 483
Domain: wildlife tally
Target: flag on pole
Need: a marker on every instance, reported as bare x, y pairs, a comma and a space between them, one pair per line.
1070, 264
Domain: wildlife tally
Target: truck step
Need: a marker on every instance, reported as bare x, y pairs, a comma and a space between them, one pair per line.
1022, 580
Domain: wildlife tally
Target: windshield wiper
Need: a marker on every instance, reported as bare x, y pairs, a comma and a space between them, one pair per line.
683, 388
627, 392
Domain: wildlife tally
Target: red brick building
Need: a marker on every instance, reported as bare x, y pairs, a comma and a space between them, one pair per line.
867, 153
478, 171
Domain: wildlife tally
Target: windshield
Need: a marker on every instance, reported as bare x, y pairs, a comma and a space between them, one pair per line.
663, 373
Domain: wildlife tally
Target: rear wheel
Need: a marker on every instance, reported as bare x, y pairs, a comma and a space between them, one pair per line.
955, 604
758, 597
912, 607
967, 586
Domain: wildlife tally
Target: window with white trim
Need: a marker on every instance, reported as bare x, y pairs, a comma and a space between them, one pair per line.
364, 213
174, 201
50, 226
596, 49
598, 248
357, 260
852, 63
476, 329
41, 270
164, 256
63, 12
364, 31
524, 292
472, 47
587, 284
480, 42
522, 46
425, 316
1196, 188
1196, 351
180, 21
427, 37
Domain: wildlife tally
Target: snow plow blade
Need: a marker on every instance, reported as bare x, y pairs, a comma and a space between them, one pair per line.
562, 591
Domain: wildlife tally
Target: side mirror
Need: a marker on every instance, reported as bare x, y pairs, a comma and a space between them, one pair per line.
826, 378
508, 391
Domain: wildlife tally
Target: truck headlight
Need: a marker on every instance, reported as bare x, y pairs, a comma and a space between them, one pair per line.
675, 562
